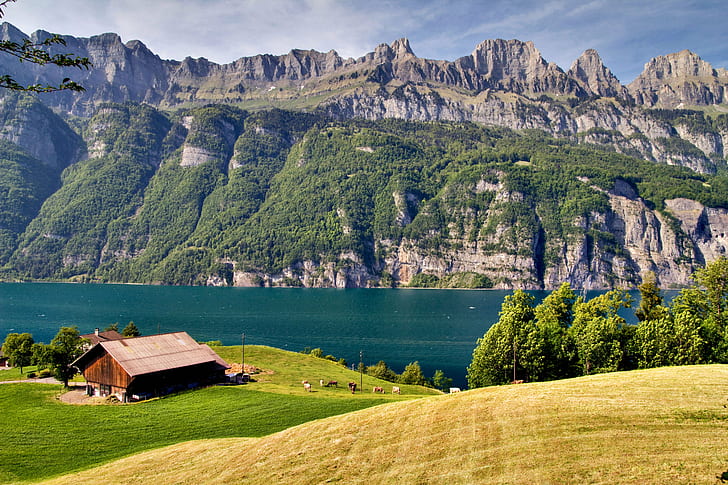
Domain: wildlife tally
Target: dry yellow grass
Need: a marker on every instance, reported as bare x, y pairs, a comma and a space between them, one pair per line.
661, 426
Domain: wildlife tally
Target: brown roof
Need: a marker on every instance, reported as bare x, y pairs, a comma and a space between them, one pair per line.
154, 353
95, 338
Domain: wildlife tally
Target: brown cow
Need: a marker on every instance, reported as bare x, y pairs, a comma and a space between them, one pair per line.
352, 387
378, 389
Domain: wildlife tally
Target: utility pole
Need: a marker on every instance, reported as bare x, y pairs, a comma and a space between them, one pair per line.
361, 371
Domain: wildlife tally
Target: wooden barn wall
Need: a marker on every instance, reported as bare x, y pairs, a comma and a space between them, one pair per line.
105, 370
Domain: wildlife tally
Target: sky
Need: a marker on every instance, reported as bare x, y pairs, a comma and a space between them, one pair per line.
626, 33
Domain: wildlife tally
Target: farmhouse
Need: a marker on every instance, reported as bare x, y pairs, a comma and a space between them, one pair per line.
143, 367
97, 336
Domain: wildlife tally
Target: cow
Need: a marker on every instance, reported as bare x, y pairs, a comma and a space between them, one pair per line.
332, 383
395, 390
517, 381
378, 389
321, 382
306, 386
352, 387
454, 389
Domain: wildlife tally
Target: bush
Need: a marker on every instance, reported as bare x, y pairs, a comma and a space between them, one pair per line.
423, 280
45, 373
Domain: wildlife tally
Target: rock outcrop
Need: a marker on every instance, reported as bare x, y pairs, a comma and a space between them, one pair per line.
679, 80
502, 82
594, 77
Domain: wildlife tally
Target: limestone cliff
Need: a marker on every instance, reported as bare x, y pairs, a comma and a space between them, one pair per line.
679, 80
502, 82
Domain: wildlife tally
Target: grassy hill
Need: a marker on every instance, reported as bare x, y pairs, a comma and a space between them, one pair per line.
41, 437
667, 425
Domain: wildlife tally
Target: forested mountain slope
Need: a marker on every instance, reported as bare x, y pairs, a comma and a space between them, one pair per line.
219, 195
498, 169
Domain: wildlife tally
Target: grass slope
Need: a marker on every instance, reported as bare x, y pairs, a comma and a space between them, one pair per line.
42, 437
667, 425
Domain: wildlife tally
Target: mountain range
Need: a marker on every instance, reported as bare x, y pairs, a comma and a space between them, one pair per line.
389, 169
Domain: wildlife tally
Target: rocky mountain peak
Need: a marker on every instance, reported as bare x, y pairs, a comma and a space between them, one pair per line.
679, 79
386, 53
679, 65
10, 32
507, 58
594, 76
401, 47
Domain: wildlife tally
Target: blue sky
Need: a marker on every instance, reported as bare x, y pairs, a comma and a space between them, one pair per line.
626, 33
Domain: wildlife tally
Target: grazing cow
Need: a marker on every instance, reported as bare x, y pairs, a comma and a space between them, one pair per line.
306, 386
519, 381
352, 387
395, 390
454, 389
378, 389
332, 383
321, 381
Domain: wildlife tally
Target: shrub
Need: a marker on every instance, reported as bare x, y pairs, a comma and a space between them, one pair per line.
45, 373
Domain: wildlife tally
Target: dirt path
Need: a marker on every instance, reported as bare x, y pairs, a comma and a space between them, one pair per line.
44, 380
77, 395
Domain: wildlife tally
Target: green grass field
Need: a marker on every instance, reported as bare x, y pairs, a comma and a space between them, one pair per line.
42, 437
13, 374
658, 426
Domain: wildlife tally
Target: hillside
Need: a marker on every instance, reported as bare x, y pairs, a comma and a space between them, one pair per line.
44, 437
667, 425
498, 169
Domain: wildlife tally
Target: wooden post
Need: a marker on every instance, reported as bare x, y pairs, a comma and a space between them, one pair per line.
242, 365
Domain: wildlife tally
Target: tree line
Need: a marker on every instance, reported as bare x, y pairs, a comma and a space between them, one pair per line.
412, 373
568, 336
54, 359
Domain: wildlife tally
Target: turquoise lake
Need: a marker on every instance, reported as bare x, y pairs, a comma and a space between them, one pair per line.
437, 328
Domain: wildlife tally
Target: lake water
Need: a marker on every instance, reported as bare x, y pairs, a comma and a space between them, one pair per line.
437, 328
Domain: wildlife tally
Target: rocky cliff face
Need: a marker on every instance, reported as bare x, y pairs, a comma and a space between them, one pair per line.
503, 82
196, 155
41, 133
615, 248
679, 80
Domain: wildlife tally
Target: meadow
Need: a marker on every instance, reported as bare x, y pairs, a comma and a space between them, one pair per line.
657, 426
43, 437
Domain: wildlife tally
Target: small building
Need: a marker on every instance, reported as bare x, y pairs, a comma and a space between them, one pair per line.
142, 367
4, 362
97, 337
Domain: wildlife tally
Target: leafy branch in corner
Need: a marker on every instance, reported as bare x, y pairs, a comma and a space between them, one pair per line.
36, 53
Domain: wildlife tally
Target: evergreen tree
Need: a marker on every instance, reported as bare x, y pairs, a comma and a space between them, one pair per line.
131, 330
